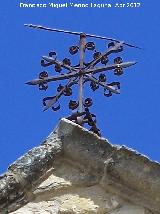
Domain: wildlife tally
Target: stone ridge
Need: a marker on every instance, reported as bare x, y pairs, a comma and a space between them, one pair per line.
24, 174
119, 170
122, 170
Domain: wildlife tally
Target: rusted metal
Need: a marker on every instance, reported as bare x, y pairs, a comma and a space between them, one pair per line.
77, 33
80, 74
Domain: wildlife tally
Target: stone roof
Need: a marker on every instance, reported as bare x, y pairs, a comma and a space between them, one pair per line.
120, 170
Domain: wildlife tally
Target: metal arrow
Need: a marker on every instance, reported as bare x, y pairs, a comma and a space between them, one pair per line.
78, 33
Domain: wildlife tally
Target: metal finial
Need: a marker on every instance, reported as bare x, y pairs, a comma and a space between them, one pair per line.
79, 74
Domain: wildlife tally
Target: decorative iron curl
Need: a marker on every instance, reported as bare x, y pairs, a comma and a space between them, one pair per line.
55, 105
108, 93
94, 86
73, 104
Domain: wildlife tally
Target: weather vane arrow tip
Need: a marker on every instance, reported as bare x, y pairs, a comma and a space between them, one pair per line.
127, 64
32, 82
48, 59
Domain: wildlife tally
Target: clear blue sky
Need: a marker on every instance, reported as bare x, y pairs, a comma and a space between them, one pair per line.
131, 118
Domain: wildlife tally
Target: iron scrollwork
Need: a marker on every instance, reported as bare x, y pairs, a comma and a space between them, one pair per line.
80, 74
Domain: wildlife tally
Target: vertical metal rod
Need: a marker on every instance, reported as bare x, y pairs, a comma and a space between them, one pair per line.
82, 49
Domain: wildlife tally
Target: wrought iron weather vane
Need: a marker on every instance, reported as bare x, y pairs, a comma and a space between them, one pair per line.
80, 74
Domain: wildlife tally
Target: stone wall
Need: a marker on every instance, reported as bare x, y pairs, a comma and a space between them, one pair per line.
71, 189
76, 172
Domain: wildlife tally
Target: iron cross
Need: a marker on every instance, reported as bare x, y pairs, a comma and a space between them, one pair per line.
80, 74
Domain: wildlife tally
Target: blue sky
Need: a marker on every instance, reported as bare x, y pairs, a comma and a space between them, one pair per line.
131, 118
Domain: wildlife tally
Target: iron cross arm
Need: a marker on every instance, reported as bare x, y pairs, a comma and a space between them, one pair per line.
55, 98
54, 61
40, 81
76, 74
53, 78
115, 48
104, 85
110, 67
